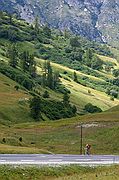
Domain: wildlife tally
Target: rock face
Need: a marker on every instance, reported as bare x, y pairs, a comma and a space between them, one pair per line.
96, 19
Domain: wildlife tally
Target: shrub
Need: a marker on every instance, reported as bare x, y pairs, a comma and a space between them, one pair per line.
20, 139
4, 140
62, 89
112, 98
46, 94
17, 76
16, 87
92, 109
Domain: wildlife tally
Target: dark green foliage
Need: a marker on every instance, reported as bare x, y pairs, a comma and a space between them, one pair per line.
16, 87
20, 139
28, 63
49, 78
4, 140
116, 72
49, 75
114, 93
36, 24
47, 31
74, 42
116, 82
74, 109
12, 54
112, 98
62, 89
92, 60
96, 63
56, 110
17, 76
35, 106
75, 77
52, 109
92, 109
46, 94
66, 98
27, 83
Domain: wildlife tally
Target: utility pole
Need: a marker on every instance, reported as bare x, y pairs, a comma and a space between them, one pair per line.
81, 136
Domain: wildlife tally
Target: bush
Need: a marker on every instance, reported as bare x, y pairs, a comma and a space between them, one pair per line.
57, 110
4, 140
116, 72
17, 76
114, 93
112, 98
46, 94
20, 139
62, 89
92, 109
16, 87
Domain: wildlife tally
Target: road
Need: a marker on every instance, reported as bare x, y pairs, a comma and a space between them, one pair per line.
58, 159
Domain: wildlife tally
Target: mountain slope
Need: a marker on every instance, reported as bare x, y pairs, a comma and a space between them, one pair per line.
95, 19
91, 83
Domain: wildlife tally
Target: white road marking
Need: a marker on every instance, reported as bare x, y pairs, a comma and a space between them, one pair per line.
27, 160
2, 160
55, 160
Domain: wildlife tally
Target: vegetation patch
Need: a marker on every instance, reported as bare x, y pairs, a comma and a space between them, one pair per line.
73, 172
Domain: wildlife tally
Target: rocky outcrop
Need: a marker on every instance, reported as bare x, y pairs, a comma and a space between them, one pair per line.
96, 19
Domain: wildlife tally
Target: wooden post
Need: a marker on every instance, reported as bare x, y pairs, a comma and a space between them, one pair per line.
81, 135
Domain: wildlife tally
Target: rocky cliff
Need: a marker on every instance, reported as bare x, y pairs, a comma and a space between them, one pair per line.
95, 19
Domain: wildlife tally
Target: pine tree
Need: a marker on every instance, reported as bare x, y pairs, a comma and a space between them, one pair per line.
13, 55
49, 78
10, 19
35, 106
32, 66
25, 61
55, 79
88, 57
28, 63
47, 31
44, 80
36, 25
67, 34
75, 77
66, 98
49, 75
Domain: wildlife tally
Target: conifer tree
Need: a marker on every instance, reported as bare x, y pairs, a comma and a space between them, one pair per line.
66, 98
36, 25
13, 55
25, 61
47, 31
28, 63
35, 106
75, 77
49, 75
55, 79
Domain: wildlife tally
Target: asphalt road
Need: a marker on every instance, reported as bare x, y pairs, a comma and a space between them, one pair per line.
57, 159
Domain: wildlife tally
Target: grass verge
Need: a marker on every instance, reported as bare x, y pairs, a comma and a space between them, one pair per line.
60, 173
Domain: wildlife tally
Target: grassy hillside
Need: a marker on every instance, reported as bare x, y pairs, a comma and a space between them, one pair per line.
79, 93
13, 106
60, 136
63, 136
12, 109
